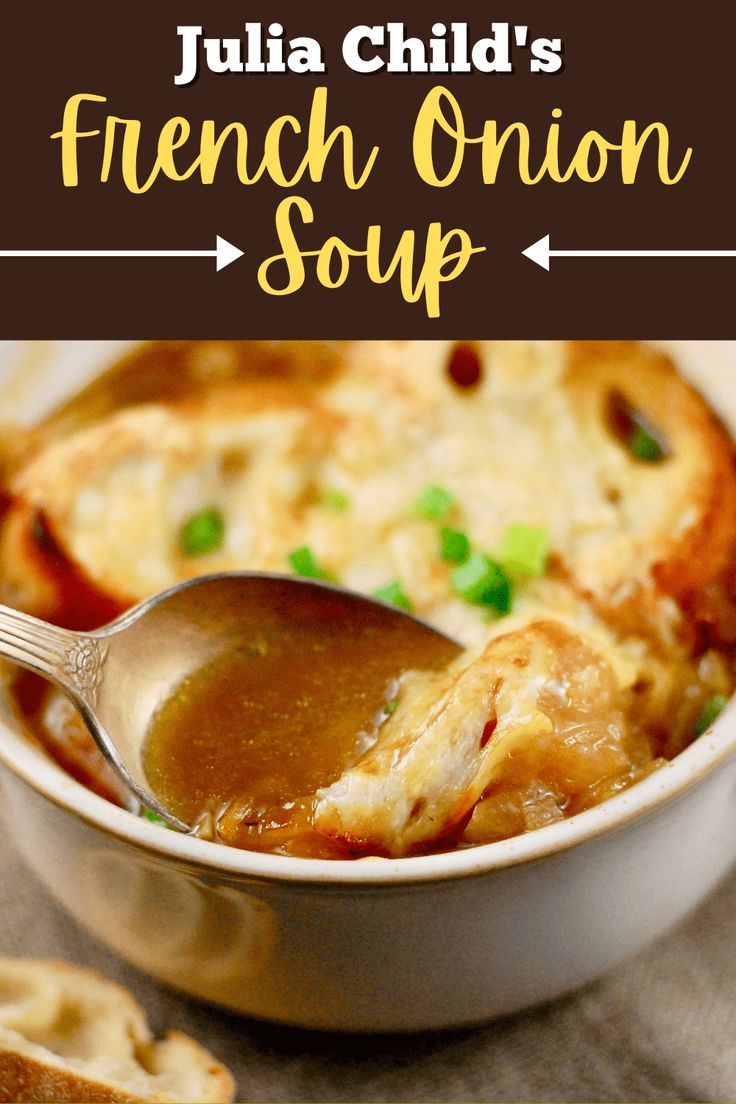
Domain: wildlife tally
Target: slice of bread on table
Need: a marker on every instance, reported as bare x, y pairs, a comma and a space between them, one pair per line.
68, 1034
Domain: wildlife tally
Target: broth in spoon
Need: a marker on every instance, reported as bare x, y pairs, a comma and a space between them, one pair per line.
244, 743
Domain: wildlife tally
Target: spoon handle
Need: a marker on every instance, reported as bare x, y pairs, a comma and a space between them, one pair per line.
72, 660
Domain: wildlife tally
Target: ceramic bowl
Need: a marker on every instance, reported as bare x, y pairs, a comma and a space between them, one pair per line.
376, 945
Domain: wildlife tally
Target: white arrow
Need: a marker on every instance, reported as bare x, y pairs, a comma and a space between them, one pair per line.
224, 253
540, 252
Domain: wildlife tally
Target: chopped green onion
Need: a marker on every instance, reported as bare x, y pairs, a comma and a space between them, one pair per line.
395, 594
303, 562
204, 532
639, 437
525, 550
645, 446
433, 503
334, 500
454, 545
482, 582
490, 614
709, 712
391, 707
154, 819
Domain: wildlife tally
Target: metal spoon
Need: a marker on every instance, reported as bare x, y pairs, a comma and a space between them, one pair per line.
118, 676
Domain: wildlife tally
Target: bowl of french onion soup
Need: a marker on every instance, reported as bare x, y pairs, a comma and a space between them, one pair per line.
510, 811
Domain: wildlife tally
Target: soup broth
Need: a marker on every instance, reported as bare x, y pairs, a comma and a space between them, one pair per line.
243, 745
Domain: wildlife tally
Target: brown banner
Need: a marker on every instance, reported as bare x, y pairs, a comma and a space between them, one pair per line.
554, 146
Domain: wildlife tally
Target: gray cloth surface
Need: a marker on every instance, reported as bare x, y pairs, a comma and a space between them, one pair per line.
662, 1028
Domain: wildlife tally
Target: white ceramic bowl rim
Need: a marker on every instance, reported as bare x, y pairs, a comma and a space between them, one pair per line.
690, 767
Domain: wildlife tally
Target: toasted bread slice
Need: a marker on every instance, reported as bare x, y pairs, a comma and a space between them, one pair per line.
95, 518
453, 732
67, 1034
676, 509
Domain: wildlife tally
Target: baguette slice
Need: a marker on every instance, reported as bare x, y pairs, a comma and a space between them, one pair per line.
540, 691
95, 520
676, 535
68, 1034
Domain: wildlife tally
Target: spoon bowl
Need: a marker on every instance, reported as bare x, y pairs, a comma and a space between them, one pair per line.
119, 676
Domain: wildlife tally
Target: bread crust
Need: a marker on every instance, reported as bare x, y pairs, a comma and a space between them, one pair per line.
26, 1080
